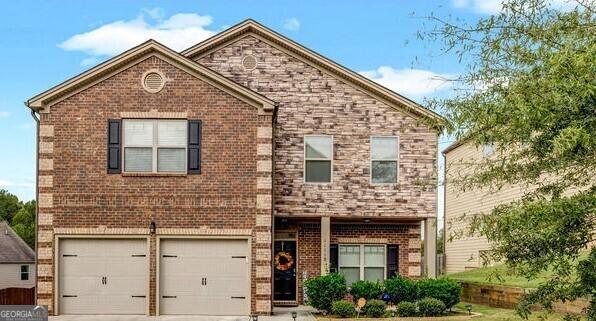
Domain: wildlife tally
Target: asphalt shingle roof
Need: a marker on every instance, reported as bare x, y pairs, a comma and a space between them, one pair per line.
12, 247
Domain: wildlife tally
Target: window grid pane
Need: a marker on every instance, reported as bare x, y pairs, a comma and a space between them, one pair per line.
138, 133
384, 148
374, 273
171, 159
384, 172
318, 171
171, 133
374, 255
352, 274
138, 159
318, 147
349, 256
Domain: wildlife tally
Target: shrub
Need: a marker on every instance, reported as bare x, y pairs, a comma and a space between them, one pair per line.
343, 308
366, 289
406, 309
322, 291
401, 289
430, 307
374, 308
444, 289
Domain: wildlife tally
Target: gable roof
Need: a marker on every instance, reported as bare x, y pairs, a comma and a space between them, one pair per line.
253, 28
12, 248
46, 99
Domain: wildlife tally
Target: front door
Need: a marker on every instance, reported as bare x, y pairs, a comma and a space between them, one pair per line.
284, 267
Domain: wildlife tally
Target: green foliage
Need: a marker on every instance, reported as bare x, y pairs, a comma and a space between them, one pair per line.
406, 309
529, 89
9, 206
374, 308
366, 289
444, 289
430, 307
23, 223
401, 289
322, 291
343, 308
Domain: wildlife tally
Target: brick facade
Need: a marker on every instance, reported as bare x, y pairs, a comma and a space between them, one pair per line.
252, 165
77, 196
314, 102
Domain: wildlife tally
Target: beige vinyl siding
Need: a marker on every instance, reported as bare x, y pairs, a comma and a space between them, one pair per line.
10, 276
463, 253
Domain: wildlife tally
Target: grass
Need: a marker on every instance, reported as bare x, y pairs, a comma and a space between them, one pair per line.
498, 275
488, 314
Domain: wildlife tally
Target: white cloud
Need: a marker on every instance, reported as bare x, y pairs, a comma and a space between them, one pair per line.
291, 24
409, 82
178, 32
4, 114
495, 6
5, 183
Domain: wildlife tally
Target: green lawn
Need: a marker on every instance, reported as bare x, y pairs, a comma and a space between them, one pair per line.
496, 314
488, 275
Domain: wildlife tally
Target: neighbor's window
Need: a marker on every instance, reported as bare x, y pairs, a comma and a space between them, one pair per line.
362, 262
155, 146
318, 157
384, 153
24, 272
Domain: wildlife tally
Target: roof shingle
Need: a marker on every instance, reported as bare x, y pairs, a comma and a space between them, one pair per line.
12, 248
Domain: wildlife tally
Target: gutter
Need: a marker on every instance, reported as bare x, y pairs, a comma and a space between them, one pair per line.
35, 116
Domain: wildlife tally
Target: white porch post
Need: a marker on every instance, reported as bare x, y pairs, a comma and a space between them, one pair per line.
325, 242
430, 247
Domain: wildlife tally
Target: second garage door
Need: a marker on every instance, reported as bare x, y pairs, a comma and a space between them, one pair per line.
208, 277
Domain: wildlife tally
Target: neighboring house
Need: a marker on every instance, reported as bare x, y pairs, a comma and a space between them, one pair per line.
214, 181
462, 250
17, 260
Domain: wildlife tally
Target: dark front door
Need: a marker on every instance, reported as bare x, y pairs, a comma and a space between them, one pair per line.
284, 266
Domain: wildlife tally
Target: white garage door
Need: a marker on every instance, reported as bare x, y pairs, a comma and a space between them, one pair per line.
99, 276
208, 277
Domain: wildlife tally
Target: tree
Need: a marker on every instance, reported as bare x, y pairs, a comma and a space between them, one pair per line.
23, 223
9, 205
529, 88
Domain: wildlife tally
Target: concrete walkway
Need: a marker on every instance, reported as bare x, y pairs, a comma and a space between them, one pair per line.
279, 314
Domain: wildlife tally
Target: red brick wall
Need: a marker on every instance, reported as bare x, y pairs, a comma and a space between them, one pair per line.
309, 244
83, 195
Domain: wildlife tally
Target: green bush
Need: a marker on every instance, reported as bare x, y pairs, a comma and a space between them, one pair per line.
343, 308
430, 307
374, 308
406, 309
366, 289
322, 291
401, 289
444, 289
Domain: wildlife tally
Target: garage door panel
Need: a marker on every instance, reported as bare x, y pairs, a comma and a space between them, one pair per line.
223, 265
103, 276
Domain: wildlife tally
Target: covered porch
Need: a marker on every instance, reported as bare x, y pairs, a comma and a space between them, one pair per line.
358, 248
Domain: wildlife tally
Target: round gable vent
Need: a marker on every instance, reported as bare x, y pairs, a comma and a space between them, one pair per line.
153, 81
249, 62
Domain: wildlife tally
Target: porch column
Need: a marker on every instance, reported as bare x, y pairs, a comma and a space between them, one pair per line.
430, 247
325, 242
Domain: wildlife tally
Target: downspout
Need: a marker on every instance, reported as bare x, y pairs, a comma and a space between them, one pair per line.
273, 126
36, 118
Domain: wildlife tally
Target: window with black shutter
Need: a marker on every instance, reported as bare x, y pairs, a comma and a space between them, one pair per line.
194, 146
392, 260
333, 256
114, 146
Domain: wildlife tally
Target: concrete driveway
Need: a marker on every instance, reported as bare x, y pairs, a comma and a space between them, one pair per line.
279, 314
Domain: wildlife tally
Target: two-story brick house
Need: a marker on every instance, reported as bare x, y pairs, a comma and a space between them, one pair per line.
215, 180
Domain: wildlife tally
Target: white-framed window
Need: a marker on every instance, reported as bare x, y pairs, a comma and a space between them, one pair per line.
24, 272
362, 262
384, 159
488, 150
154, 146
318, 159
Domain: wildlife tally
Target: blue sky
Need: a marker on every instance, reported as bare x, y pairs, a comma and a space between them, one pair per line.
45, 43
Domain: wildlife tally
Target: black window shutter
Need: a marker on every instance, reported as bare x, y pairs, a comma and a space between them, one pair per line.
194, 147
114, 146
392, 260
333, 258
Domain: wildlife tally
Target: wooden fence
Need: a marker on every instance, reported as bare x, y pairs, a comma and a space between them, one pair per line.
17, 296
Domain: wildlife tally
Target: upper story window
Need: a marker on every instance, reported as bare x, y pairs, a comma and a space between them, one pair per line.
318, 159
362, 262
154, 146
384, 154
24, 272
